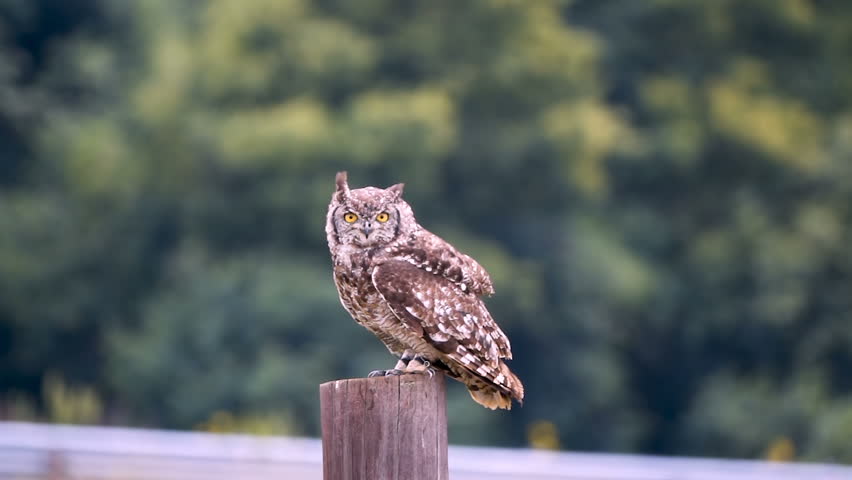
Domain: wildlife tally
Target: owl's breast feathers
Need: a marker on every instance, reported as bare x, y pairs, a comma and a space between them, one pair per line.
353, 278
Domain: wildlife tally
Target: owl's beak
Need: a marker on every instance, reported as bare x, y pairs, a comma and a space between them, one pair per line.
367, 229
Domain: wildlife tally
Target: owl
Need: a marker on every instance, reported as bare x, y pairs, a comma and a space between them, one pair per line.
417, 293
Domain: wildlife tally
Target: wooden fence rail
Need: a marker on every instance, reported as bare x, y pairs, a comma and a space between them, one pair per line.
32, 451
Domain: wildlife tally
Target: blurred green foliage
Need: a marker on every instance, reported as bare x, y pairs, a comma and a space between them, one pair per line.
61, 403
662, 191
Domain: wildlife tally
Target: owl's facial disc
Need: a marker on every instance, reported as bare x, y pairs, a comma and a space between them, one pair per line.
366, 219
365, 233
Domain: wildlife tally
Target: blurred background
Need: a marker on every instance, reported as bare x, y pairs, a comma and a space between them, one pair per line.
661, 191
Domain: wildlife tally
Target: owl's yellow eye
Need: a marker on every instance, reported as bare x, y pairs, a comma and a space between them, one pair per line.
382, 217
350, 217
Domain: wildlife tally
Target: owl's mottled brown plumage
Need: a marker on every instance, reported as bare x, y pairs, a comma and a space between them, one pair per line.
417, 293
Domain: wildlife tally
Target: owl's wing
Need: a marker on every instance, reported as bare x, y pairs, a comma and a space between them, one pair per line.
454, 321
435, 255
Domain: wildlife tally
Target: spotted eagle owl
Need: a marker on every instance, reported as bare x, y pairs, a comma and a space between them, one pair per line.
417, 293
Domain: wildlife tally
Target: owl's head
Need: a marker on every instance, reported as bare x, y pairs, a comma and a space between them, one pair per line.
367, 217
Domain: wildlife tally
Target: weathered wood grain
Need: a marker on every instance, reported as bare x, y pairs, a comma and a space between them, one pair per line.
380, 418
384, 428
327, 419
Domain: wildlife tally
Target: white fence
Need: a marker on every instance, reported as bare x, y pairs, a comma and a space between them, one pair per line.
34, 451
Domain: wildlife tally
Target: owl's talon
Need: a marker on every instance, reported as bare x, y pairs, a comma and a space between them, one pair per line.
385, 373
419, 365
422, 371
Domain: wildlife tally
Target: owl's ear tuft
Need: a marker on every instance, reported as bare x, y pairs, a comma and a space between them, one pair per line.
396, 190
341, 186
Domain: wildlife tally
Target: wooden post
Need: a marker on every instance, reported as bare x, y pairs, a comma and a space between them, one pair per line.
384, 428
56, 466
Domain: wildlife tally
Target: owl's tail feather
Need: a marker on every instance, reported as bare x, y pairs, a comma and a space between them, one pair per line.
495, 396
492, 398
